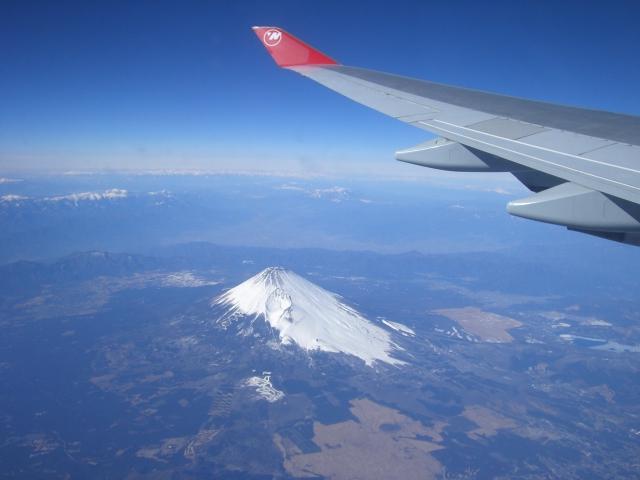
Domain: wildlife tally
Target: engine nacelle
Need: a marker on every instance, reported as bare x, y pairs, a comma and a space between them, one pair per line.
444, 154
579, 208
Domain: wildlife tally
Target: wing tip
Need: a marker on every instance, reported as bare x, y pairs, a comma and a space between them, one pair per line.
289, 51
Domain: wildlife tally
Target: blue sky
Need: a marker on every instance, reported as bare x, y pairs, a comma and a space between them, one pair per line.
186, 85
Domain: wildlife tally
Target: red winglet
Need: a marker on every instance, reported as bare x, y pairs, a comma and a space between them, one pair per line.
288, 51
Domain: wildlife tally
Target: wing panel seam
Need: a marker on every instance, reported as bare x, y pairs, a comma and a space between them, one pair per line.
516, 152
577, 157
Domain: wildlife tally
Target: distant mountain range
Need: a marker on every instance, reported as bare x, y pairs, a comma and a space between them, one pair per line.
502, 271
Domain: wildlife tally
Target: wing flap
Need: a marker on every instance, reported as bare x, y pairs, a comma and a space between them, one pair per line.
568, 142
579, 208
507, 128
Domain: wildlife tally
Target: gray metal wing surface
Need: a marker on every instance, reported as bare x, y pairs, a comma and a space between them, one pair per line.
582, 165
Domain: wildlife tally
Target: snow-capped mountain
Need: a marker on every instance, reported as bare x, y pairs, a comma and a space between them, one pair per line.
306, 315
114, 193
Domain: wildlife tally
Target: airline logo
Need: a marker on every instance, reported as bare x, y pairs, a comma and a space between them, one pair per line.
272, 37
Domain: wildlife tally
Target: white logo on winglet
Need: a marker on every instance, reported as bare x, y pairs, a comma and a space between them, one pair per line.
272, 37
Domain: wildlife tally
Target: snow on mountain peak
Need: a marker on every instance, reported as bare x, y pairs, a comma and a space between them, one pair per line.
114, 193
308, 315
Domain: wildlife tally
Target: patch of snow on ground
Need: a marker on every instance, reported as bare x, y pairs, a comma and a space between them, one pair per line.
596, 322
533, 340
399, 327
185, 279
265, 388
612, 346
453, 332
567, 337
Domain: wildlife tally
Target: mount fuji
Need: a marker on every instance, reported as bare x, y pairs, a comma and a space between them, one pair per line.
304, 314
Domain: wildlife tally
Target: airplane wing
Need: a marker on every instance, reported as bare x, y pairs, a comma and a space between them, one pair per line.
582, 165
